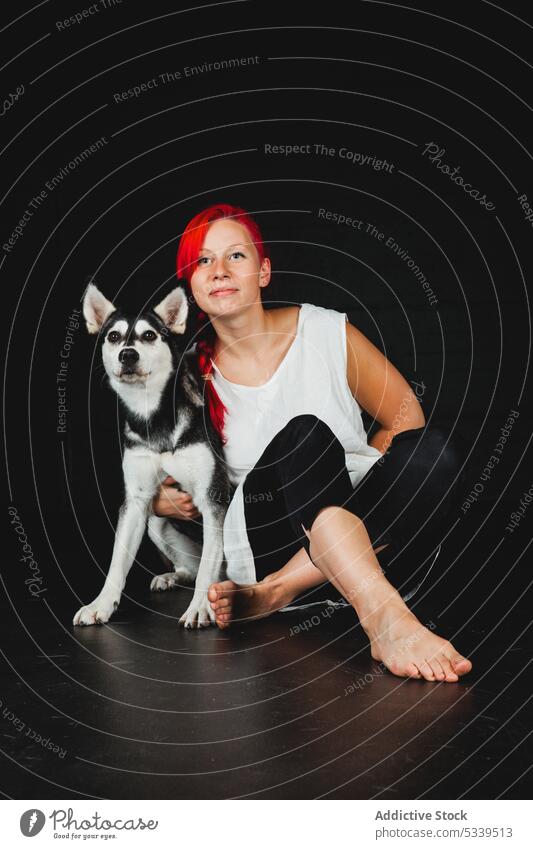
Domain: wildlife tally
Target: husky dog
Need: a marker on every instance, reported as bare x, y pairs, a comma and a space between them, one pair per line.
168, 431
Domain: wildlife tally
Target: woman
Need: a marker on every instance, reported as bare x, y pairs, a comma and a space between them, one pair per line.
285, 391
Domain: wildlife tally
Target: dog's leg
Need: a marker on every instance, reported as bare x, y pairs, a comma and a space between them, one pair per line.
194, 468
129, 533
178, 550
141, 477
199, 613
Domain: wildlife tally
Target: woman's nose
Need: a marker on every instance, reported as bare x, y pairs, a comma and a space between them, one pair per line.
219, 268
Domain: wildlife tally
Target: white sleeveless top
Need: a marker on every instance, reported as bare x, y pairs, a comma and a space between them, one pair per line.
310, 379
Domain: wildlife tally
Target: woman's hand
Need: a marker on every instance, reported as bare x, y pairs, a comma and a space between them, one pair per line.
174, 503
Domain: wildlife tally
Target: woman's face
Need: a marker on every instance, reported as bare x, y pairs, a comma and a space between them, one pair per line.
228, 273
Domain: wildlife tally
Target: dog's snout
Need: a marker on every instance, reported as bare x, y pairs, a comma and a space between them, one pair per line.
128, 356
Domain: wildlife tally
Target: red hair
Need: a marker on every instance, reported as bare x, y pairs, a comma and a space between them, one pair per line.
188, 252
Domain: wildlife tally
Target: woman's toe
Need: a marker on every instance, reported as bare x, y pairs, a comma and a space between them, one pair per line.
448, 668
438, 669
220, 591
412, 671
426, 670
461, 665
212, 593
223, 620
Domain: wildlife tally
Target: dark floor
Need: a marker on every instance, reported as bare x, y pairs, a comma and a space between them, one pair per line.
140, 709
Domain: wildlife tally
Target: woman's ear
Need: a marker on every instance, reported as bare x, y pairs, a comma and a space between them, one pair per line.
173, 310
265, 272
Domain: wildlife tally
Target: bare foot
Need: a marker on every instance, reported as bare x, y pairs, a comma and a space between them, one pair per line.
409, 649
232, 602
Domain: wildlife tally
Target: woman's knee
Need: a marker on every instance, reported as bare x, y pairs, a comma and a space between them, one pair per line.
308, 430
443, 449
441, 463
328, 517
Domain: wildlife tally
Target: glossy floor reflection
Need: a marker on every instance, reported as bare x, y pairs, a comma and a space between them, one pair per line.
140, 709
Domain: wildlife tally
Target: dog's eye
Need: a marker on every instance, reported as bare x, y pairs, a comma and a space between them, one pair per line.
148, 336
114, 336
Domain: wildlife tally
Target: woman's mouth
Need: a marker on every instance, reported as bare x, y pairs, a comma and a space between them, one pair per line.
221, 293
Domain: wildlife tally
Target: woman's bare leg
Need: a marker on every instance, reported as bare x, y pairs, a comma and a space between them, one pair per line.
341, 549
232, 601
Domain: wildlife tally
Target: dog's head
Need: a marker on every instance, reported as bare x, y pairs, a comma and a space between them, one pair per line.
137, 349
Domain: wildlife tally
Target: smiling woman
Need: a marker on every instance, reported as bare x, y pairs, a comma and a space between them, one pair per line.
285, 390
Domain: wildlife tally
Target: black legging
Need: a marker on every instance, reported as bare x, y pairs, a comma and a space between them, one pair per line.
303, 469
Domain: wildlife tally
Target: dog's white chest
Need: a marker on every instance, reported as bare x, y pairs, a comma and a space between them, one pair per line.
191, 466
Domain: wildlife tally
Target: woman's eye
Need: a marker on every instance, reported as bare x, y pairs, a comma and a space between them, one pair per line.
114, 336
237, 254
203, 260
148, 336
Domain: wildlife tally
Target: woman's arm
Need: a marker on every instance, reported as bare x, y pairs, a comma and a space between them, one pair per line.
380, 389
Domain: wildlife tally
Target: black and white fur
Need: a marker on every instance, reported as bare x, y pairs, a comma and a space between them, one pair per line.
168, 431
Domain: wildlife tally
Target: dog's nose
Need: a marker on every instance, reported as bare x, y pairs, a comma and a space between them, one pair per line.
128, 356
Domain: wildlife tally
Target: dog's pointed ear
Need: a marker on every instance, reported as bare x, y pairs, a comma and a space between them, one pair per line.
96, 308
173, 310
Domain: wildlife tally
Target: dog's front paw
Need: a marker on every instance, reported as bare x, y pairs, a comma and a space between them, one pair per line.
96, 613
199, 613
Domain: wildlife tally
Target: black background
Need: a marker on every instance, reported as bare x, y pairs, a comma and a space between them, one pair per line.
373, 77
